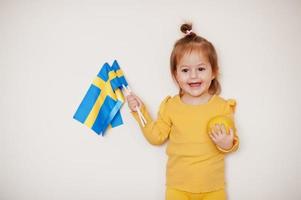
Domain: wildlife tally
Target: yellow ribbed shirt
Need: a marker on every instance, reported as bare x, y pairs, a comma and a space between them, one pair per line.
195, 164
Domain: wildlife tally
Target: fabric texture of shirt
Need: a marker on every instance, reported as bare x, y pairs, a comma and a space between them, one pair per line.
195, 164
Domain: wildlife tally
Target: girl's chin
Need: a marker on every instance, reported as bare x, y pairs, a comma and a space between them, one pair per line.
196, 94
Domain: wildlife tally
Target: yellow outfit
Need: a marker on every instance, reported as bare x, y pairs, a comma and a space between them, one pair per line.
195, 163
174, 194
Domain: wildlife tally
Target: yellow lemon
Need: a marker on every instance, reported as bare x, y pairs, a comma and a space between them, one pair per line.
220, 119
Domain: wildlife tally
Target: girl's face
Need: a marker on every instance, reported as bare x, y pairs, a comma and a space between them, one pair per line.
194, 74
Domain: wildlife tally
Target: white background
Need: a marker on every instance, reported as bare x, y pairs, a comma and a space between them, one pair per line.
50, 51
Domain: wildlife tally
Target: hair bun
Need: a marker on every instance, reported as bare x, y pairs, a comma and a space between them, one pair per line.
186, 27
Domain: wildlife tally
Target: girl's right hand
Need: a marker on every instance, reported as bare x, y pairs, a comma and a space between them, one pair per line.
133, 102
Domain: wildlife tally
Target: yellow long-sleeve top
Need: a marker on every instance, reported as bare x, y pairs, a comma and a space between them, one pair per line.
195, 163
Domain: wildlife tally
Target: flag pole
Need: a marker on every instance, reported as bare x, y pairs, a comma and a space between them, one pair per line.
141, 117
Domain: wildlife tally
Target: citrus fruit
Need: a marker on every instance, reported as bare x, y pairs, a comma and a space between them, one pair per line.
221, 119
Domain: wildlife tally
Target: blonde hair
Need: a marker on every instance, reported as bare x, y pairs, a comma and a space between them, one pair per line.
192, 42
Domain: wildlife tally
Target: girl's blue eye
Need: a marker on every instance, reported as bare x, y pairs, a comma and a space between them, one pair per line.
202, 69
184, 70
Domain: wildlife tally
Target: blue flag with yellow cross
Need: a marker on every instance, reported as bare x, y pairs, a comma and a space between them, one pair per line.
100, 108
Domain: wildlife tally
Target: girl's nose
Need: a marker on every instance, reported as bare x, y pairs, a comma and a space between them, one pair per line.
193, 74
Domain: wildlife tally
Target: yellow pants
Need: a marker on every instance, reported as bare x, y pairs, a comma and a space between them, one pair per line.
174, 194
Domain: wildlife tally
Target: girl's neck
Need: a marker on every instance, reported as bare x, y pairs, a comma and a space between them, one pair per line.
193, 100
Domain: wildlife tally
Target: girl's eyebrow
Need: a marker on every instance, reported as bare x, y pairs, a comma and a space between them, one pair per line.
200, 64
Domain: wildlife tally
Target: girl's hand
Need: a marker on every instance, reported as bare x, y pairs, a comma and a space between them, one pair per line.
220, 137
133, 101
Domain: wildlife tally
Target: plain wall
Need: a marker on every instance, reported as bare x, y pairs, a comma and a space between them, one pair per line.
50, 51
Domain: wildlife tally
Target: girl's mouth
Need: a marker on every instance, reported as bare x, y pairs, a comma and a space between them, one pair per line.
196, 84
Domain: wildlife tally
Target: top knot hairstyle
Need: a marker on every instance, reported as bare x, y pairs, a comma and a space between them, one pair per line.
191, 42
187, 30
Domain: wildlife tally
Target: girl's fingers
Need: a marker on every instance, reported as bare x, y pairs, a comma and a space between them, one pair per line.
231, 133
130, 97
217, 129
133, 97
213, 131
212, 137
223, 129
132, 101
139, 101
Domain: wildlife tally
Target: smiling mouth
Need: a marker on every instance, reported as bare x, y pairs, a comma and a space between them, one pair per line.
197, 84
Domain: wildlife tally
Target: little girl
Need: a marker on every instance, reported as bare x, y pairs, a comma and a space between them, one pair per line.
195, 168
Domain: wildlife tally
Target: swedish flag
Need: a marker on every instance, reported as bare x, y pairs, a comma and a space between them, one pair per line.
101, 105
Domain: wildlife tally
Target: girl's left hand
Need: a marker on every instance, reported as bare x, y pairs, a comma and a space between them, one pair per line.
220, 137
